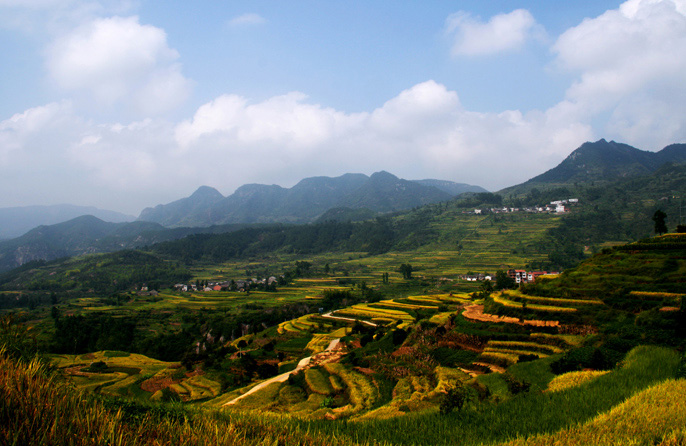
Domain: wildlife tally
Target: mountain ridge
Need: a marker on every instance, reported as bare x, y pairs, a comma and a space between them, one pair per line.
16, 221
602, 160
305, 202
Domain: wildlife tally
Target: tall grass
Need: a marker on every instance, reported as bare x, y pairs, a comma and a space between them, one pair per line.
37, 408
523, 415
655, 415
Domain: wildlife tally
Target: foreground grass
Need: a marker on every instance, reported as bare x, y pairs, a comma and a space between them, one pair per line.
37, 408
662, 417
525, 415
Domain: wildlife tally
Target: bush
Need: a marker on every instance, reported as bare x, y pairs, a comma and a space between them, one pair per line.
399, 336
516, 386
96, 367
681, 368
455, 398
526, 358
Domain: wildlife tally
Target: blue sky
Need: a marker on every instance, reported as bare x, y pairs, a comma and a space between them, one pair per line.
124, 104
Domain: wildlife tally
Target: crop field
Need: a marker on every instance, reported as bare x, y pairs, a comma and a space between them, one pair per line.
573, 379
560, 301
502, 299
133, 375
375, 314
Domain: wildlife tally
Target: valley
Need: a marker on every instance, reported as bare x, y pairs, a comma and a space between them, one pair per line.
381, 331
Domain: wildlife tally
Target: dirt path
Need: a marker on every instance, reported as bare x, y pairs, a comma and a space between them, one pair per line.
493, 367
330, 316
319, 358
476, 313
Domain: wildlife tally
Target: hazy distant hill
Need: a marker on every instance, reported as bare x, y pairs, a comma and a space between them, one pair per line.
384, 192
303, 203
450, 187
604, 161
16, 221
88, 234
189, 211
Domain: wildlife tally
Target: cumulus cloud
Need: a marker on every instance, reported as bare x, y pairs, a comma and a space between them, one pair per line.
119, 61
423, 131
630, 63
502, 32
247, 19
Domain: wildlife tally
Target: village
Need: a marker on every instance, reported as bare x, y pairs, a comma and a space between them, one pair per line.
556, 207
518, 275
267, 284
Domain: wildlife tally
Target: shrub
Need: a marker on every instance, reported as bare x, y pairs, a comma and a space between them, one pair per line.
454, 398
526, 358
516, 386
96, 367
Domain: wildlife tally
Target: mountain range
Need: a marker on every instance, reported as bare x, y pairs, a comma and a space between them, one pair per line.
621, 174
306, 201
87, 235
603, 161
15, 221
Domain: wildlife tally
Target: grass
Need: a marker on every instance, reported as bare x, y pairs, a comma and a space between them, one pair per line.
528, 414
36, 407
501, 298
572, 379
654, 415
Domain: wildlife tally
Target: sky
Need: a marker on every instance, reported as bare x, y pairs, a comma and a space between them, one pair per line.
125, 104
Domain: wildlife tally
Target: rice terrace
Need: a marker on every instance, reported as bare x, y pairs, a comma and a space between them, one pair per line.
343, 223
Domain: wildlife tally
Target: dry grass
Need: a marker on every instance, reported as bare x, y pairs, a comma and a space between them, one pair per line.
573, 379
656, 415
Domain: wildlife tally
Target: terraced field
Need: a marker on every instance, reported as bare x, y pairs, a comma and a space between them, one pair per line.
133, 375
505, 353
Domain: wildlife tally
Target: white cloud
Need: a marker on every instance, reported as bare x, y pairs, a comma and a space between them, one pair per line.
283, 120
247, 19
630, 63
424, 131
117, 60
502, 32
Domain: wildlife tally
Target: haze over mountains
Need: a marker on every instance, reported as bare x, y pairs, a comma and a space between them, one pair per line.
310, 198
16, 221
605, 161
345, 198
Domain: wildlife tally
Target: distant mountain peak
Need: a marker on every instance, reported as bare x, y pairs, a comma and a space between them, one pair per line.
383, 175
604, 160
302, 203
206, 192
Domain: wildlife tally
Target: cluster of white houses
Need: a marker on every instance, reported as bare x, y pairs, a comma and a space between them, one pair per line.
555, 207
227, 285
518, 275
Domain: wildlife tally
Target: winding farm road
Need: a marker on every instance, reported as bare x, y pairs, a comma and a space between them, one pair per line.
284, 376
331, 316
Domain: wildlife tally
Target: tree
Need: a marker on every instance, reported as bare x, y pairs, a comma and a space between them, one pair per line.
406, 271
503, 281
659, 219
455, 398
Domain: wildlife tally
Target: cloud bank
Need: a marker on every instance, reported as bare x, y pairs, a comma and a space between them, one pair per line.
502, 32
119, 61
627, 66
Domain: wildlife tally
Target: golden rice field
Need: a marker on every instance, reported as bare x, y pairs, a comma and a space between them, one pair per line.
125, 374
573, 379
380, 315
554, 300
503, 300
656, 415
